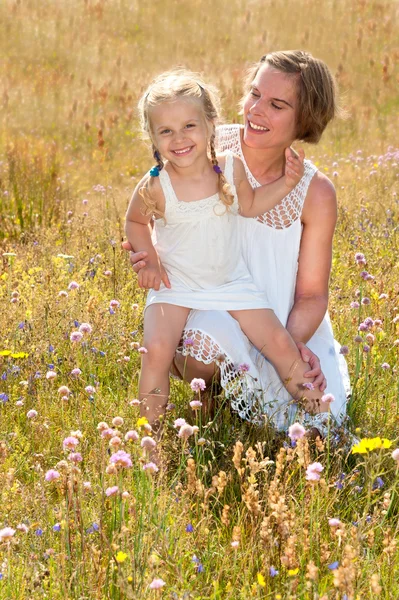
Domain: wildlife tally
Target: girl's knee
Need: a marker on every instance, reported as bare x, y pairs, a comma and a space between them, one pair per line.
159, 350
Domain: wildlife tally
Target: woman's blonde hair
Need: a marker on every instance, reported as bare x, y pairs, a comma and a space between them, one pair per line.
168, 87
317, 90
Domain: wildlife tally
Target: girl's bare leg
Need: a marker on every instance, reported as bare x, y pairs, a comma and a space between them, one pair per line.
268, 335
163, 326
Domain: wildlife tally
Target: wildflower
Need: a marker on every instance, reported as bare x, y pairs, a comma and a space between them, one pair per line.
31, 414
296, 431
273, 572
201, 442
107, 433
243, 368
131, 436
134, 402
142, 350
367, 444
195, 404
355, 304
85, 328
148, 443
185, 431
64, 390
70, 443
308, 386
63, 294
366, 348
334, 522
313, 471
87, 486
125, 495
157, 584
111, 491
197, 385
51, 375
344, 350
114, 304
111, 470
22, 527
150, 467
235, 544
328, 398
382, 296
360, 258
76, 372
90, 389
73, 286
39, 532
366, 301
261, 580
107, 273
378, 483
385, 366
75, 457
121, 557
121, 459
292, 572
333, 566
102, 426
189, 528
76, 336
395, 455
52, 475
188, 342
6, 534
358, 339
115, 441
179, 422
142, 421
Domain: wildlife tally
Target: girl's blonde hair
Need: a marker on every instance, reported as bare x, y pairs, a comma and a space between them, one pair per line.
171, 86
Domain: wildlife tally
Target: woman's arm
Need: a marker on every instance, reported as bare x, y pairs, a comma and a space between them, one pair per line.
319, 217
254, 203
138, 234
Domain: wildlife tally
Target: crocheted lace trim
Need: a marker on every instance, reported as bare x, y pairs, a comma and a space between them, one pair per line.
289, 210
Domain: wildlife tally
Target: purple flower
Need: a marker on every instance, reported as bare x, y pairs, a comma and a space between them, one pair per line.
111, 491
366, 300
188, 342
273, 572
57, 527
385, 366
76, 336
70, 443
344, 350
121, 459
197, 385
75, 457
333, 566
52, 475
189, 528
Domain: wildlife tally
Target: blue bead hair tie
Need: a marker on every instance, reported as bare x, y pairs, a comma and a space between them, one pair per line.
154, 172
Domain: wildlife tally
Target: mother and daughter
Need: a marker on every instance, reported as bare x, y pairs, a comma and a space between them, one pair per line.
216, 280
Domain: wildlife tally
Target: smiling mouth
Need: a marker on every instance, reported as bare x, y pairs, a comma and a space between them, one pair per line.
183, 151
255, 127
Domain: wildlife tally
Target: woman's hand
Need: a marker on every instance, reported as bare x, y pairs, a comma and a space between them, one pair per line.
294, 167
136, 258
315, 367
149, 276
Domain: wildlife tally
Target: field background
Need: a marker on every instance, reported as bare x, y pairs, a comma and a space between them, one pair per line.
230, 521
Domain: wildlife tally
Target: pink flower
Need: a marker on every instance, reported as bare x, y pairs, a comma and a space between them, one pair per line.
313, 471
64, 390
360, 258
334, 522
328, 398
142, 350
134, 402
185, 431
344, 350
179, 422
76, 372
6, 534
76, 336
395, 455
157, 584
63, 294
296, 431
70, 443
75, 457
90, 389
243, 368
52, 475
73, 286
195, 404
107, 273
114, 304
385, 366
121, 459
148, 443
355, 304
102, 426
131, 436
111, 491
150, 467
197, 385
107, 433
85, 328
51, 375
188, 342
31, 414
308, 386
117, 421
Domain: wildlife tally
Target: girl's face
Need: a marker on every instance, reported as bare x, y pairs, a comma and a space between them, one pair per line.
179, 131
270, 109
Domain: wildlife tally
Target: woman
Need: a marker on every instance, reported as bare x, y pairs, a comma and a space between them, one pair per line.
288, 96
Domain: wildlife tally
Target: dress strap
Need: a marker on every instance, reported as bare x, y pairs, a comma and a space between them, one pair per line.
167, 187
229, 174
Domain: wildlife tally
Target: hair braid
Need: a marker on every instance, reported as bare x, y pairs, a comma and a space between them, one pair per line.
158, 158
224, 189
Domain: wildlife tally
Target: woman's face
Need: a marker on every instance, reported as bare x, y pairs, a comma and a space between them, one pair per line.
270, 109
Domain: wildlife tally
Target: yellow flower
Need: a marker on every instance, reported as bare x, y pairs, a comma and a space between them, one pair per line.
261, 580
130, 579
121, 557
19, 355
5, 352
142, 421
292, 572
367, 444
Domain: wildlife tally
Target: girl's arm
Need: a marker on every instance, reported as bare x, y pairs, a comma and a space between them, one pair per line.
139, 235
256, 202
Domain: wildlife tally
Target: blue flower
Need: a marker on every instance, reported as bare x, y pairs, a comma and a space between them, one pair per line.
57, 527
200, 568
96, 527
111, 311
39, 532
51, 348
1, 576
4, 376
51, 367
3, 397
76, 323
189, 528
21, 325
333, 566
378, 483
101, 353
273, 572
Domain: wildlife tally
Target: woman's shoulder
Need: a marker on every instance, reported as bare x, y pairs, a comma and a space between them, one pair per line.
321, 197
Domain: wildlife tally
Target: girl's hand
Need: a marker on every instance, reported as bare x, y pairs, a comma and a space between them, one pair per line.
294, 168
151, 276
315, 367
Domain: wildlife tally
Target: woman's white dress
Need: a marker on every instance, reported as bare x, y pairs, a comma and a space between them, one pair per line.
199, 244
271, 248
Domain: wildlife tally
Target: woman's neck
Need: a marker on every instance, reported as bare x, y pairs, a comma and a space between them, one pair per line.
266, 165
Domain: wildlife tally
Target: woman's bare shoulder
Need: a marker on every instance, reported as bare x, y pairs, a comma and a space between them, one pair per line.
321, 198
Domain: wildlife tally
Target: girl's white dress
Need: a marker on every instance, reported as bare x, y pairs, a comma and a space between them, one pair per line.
199, 244
271, 248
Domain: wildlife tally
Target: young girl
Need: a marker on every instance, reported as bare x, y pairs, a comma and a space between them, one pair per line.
196, 197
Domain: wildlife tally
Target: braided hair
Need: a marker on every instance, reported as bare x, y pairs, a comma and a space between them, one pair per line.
168, 87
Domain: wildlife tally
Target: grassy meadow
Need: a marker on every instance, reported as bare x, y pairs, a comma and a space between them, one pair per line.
234, 515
